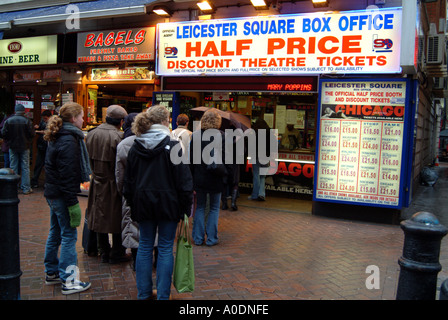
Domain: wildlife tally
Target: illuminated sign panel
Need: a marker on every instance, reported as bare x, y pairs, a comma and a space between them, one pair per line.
28, 51
116, 45
331, 42
285, 84
361, 145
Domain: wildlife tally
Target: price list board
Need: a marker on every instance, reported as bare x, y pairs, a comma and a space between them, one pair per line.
360, 147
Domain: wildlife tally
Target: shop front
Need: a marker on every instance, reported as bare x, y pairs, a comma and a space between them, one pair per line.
270, 68
31, 76
31, 73
118, 68
261, 98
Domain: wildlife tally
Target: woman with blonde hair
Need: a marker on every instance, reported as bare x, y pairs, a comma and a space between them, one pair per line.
206, 182
159, 193
66, 167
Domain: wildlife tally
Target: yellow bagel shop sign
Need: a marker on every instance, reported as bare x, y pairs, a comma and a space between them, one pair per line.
28, 51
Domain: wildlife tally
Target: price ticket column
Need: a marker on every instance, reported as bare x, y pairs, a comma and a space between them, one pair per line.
369, 159
329, 156
348, 156
391, 153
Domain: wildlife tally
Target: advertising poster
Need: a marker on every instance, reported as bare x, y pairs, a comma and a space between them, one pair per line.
294, 176
360, 147
313, 43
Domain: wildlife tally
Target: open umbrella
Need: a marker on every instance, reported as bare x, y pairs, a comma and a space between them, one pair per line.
229, 119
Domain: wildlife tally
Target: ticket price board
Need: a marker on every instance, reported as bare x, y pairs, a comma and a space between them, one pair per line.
360, 154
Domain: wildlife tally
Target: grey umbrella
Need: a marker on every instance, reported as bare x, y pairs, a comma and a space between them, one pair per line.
229, 119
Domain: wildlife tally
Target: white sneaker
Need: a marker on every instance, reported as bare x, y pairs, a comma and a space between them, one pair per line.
77, 286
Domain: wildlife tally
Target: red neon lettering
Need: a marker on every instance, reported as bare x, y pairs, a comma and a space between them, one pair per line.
89, 40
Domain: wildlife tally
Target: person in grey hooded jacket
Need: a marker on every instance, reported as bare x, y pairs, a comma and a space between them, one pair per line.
159, 193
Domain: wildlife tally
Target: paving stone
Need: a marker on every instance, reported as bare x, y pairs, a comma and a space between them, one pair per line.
263, 254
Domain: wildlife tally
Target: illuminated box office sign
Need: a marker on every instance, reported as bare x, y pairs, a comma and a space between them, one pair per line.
116, 45
363, 129
28, 51
314, 43
257, 84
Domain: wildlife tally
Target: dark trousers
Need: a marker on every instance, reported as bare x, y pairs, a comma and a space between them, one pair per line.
38, 166
104, 247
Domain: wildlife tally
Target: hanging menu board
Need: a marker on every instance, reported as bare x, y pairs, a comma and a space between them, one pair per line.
360, 149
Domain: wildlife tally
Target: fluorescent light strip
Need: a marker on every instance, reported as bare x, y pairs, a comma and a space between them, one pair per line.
296, 161
85, 14
5, 25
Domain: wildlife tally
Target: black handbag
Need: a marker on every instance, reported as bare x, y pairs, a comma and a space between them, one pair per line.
89, 241
216, 169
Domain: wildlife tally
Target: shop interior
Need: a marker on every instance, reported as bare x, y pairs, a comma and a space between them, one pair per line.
292, 114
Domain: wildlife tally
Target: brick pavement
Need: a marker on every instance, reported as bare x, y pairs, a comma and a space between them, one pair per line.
263, 254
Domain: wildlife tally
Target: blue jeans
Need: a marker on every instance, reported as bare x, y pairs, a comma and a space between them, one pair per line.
200, 227
6, 159
20, 163
258, 182
61, 234
143, 266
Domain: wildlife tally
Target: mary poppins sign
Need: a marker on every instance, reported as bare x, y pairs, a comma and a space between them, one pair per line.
116, 45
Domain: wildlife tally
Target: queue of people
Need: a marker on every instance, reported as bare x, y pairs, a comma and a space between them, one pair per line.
137, 193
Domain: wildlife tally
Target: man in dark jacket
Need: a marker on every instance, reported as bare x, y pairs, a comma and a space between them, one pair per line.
5, 146
18, 131
41, 148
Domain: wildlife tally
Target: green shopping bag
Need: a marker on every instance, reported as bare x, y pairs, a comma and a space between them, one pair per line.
183, 278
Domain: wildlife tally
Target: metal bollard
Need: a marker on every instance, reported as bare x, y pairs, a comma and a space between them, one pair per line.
9, 236
419, 264
444, 290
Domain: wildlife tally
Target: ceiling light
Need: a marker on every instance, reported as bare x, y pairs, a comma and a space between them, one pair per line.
205, 7
320, 3
161, 11
259, 4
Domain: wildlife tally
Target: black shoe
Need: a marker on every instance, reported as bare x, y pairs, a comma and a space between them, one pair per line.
224, 206
260, 198
105, 258
92, 253
120, 259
